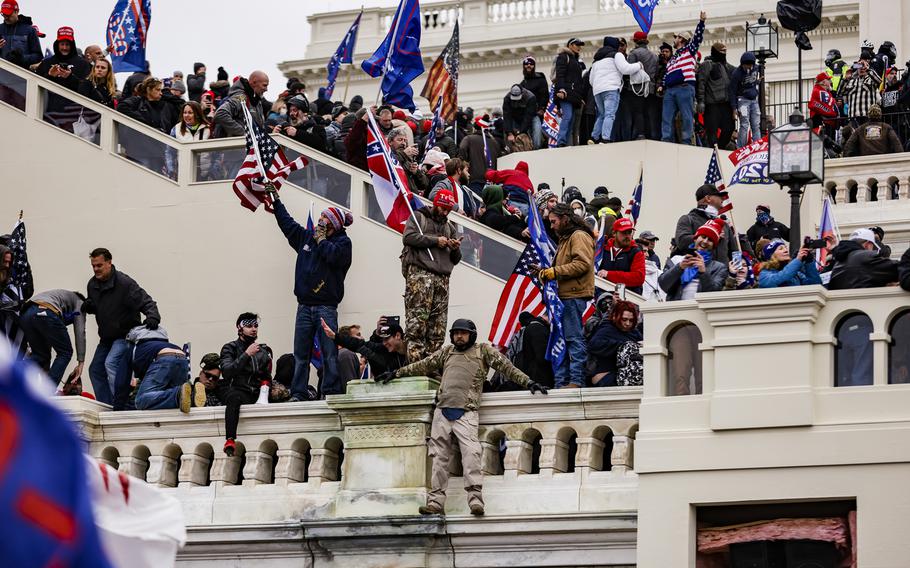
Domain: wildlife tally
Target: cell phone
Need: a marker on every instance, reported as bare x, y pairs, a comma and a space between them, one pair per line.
738, 259
691, 253
393, 320
814, 244
621, 291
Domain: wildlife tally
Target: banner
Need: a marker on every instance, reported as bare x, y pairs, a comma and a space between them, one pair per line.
751, 163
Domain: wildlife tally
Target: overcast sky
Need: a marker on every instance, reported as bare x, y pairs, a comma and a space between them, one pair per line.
240, 35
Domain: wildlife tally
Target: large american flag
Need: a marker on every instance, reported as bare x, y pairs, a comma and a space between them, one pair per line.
263, 154
22, 281
443, 78
521, 294
716, 178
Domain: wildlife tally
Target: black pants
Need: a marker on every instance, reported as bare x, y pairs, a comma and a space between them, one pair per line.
233, 397
622, 126
718, 116
645, 117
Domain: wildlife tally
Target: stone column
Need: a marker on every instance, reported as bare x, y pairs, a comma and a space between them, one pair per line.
194, 470
554, 457
134, 467
621, 457
162, 471
518, 458
590, 454
323, 466
258, 468
291, 467
385, 469
225, 470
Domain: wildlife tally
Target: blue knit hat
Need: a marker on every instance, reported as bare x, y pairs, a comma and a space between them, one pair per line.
769, 248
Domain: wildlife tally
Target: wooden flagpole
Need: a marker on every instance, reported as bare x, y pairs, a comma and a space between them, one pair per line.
727, 189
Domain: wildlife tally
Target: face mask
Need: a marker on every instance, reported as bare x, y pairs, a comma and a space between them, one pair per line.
711, 210
763, 218
579, 212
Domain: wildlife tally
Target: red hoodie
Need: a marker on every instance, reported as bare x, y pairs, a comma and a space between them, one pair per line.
823, 104
516, 178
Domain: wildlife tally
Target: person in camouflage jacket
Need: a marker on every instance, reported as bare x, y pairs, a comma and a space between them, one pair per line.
464, 366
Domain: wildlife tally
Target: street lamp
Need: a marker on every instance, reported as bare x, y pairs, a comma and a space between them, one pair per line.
762, 42
796, 157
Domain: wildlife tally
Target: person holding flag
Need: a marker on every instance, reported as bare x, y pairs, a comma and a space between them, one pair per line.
127, 33
324, 256
398, 58
343, 55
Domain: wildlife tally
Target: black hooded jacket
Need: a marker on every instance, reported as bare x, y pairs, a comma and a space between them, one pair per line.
537, 84
856, 267
79, 66
380, 358
162, 114
533, 357
22, 46
903, 270
568, 76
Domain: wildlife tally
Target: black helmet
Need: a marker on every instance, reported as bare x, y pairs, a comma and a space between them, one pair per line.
462, 324
833, 55
571, 194
888, 48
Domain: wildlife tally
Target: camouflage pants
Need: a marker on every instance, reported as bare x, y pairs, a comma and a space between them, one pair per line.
426, 307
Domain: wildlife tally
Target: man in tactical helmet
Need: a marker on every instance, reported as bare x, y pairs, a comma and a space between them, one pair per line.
464, 366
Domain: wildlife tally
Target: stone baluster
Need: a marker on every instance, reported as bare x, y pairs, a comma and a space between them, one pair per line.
133, 466
554, 457
194, 470
862, 193
258, 468
518, 458
225, 470
162, 471
323, 466
490, 462
883, 192
843, 193
903, 191
291, 467
621, 457
590, 454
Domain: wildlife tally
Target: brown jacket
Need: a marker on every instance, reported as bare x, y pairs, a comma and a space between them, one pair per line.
574, 264
416, 244
871, 139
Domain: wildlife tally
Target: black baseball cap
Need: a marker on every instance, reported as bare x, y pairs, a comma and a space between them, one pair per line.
706, 190
574, 41
388, 331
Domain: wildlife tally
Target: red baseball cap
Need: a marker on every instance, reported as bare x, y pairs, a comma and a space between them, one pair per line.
66, 33
823, 76
8, 7
622, 225
444, 199
639, 36
38, 32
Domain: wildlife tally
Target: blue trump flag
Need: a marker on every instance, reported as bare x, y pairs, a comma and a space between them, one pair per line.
344, 54
127, 32
315, 351
643, 12
398, 57
45, 507
556, 347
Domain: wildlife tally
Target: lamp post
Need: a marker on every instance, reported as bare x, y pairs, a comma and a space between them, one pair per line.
762, 42
796, 157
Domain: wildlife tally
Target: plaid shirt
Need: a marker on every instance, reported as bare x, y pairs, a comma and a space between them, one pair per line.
860, 93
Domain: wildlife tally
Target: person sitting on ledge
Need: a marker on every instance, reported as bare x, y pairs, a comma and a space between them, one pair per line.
780, 270
463, 366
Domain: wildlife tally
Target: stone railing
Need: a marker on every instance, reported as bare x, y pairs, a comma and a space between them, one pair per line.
364, 453
865, 179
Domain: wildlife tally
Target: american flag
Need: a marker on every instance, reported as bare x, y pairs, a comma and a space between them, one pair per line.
22, 281
263, 154
635, 203
442, 80
521, 294
437, 123
551, 120
716, 178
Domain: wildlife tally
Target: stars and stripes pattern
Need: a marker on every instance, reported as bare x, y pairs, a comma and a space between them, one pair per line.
22, 281
390, 186
522, 293
436, 124
442, 81
127, 32
551, 120
716, 178
635, 203
265, 162
343, 55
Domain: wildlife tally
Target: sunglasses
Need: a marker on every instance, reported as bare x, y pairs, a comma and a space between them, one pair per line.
211, 375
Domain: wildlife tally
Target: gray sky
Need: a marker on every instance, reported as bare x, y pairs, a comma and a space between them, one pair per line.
240, 35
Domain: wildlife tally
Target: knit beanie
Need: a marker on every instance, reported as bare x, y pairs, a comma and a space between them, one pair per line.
713, 229
222, 74
544, 195
875, 113
768, 250
339, 218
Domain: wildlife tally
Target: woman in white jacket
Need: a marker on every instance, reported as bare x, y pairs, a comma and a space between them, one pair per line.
192, 126
606, 80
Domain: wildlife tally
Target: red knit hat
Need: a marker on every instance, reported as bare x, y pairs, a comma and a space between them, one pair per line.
444, 199
823, 76
639, 36
713, 229
426, 125
399, 115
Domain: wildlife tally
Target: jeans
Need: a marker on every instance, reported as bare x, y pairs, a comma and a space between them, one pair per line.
678, 99
160, 388
537, 133
307, 326
44, 330
749, 115
572, 369
607, 102
110, 372
565, 123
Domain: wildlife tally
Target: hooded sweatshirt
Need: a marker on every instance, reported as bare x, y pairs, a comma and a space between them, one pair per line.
609, 67
515, 182
744, 84
80, 67
537, 83
229, 118
22, 45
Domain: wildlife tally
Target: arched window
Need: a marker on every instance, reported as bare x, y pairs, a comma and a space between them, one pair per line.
684, 361
853, 354
899, 350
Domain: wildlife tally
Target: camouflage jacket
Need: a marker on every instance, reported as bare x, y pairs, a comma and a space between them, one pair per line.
463, 373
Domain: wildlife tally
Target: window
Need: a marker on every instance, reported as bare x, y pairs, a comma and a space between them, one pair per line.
684, 361
899, 350
853, 354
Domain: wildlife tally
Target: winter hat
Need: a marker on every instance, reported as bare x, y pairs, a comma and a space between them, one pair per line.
823, 76
66, 33
222, 74
764, 208
571, 194
713, 229
196, 67
356, 103
482, 121
768, 250
640, 37
444, 199
610, 41
300, 102
400, 115
666, 45
339, 218
338, 110
529, 59
435, 158
747, 57
601, 190
875, 112
544, 195
178, 86
321, 93
622, 225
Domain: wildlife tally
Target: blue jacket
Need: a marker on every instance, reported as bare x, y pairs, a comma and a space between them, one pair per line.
744, 84
22, 45
796, 273
603, 345
321, 267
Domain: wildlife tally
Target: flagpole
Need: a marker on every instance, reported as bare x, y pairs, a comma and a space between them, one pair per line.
249, 124
723, 177
347, 80
388, 54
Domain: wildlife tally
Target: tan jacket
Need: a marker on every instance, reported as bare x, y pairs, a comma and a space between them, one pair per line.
574, 265
417, 244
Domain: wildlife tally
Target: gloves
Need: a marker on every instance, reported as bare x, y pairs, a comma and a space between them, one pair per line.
537, 387
151, 324
547, 274
386, 377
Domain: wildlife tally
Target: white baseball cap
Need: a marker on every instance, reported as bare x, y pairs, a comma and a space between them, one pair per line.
864, 235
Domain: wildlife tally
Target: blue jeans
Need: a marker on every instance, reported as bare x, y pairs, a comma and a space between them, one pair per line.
680, 98
607, 102
44, 330
537, 133
749, 116
160, 388
572, 369
565, 124
306, 327
110, 372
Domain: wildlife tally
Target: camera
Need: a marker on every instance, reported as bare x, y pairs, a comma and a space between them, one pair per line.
814, 244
